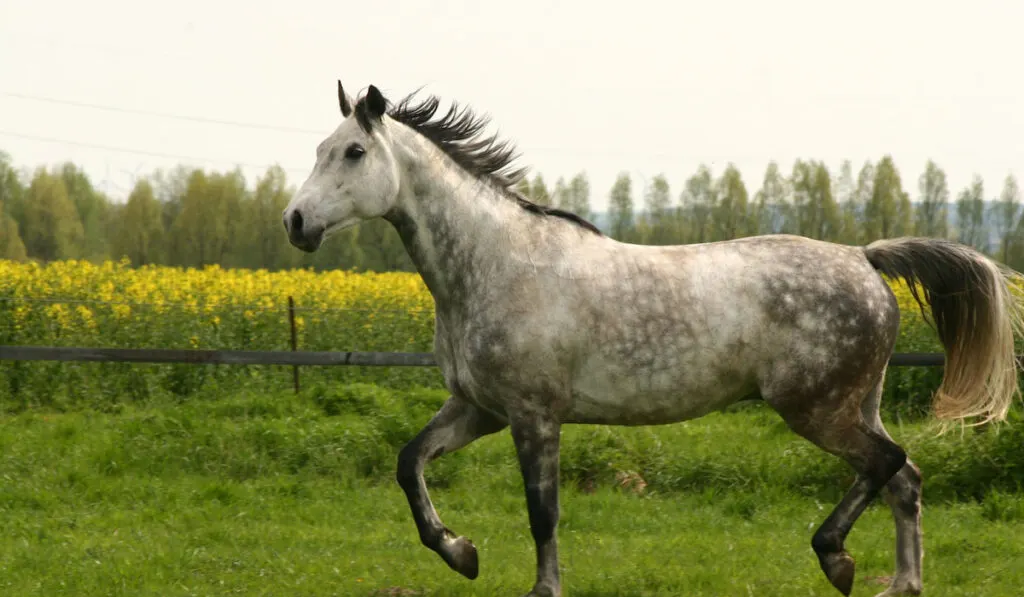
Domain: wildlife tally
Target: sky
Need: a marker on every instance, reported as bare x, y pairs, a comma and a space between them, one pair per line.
638, 87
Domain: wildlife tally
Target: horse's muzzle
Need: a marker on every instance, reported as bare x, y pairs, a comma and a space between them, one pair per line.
300, 233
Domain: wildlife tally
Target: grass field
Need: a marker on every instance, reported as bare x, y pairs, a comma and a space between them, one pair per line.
257, 494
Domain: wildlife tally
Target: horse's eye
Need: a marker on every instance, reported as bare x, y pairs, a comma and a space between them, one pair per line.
354, 151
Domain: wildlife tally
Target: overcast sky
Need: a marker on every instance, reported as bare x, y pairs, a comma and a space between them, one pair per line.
644, 87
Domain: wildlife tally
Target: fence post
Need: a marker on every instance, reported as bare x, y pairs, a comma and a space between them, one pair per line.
295, 344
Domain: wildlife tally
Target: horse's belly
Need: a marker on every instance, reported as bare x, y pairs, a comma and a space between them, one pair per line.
610, 393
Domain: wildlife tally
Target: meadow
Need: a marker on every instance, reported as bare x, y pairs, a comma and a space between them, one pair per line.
284, 494
120, 479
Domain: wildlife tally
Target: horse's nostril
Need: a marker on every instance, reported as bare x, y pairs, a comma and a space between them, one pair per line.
296, 222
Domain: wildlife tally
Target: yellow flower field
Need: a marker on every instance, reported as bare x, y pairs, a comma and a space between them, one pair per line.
80, 303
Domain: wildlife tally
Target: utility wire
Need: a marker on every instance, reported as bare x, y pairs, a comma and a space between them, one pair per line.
286, 129
251, 125
157, 154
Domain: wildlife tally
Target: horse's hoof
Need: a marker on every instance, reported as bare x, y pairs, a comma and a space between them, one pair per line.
908, 588
460, 554
838, 567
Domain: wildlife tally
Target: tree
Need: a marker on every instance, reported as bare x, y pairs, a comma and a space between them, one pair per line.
774, 214
11, 190
141, 237
817, 214
697, 204
539, 191
170, 188
620, 204
888, 212
970, 215
380, 247
850, 210
656, 223
51, 228
933, 211
523, 187
1005, 213
1015, 253
560, 194
577, 196
11, 245
800, 181
93, 211
11, 193
731, 212
204, 233
862, 196
264, 240
827, 222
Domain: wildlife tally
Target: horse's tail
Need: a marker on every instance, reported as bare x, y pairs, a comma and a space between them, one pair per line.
975, 314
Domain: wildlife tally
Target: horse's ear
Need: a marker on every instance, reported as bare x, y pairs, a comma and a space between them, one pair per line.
344, 101
376, 105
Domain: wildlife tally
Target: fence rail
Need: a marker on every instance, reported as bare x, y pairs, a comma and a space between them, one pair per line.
294, 358
217, 357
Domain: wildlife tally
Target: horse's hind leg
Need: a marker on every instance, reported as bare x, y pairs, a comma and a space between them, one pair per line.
455, 425
903, 494
841, 430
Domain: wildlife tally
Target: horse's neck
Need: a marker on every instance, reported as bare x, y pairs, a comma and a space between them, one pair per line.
453, 232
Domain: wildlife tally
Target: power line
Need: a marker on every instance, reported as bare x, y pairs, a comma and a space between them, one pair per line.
144, 152
250, 125
285, 129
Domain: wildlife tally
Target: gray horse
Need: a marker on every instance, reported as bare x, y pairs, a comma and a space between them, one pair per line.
543, 321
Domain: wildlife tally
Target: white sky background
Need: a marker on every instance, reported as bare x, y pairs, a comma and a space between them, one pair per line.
644, 87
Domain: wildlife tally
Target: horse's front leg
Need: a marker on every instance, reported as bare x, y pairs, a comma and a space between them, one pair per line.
455, 425
536, 439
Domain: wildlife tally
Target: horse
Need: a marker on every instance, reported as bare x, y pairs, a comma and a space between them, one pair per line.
541, 320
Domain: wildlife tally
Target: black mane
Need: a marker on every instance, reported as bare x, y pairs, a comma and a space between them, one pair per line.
457, 134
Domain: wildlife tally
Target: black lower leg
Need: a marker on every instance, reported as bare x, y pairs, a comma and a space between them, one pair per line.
454, 426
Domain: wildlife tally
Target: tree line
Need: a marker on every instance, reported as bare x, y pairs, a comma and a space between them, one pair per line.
191, 217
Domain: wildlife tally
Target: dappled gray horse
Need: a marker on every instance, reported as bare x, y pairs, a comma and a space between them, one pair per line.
543, 321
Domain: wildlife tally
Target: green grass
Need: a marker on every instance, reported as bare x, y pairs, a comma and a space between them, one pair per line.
283, 495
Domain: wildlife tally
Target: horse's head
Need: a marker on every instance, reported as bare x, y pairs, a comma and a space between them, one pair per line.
355, 177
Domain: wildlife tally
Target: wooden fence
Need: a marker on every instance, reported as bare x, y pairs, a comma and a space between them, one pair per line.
216, 357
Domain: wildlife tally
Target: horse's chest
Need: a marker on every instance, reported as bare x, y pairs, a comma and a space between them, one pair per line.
473, 365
